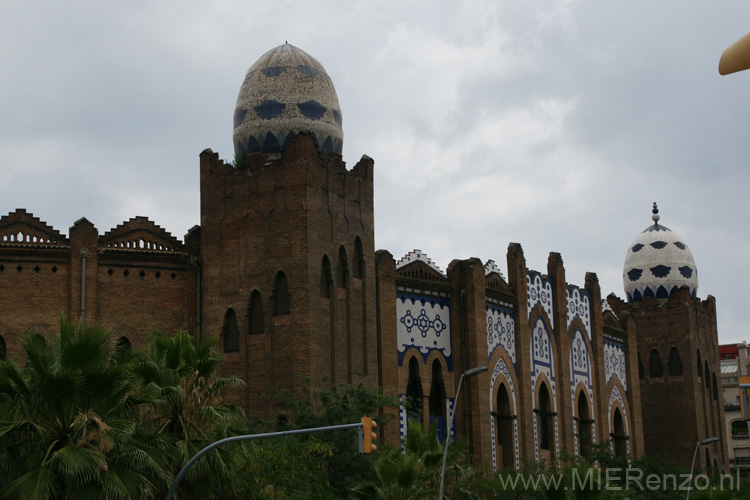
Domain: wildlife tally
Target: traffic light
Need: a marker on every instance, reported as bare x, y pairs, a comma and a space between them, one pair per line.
369, 426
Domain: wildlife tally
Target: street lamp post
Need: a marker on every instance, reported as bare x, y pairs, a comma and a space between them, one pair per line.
701, 442
468, 373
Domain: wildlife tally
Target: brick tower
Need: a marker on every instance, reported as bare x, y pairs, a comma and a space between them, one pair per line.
287, 238
678, 351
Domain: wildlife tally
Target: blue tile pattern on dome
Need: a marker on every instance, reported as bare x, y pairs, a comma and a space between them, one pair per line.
239, 116
658, 263
268, 110
291, 94
307, 70
273, 71
660, 271
635, 274
312, 109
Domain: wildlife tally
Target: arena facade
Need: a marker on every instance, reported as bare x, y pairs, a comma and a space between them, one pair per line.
283, 266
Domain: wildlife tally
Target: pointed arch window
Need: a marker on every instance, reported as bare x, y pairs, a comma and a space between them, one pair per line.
414, 408
326, 280
619, 437
280, 295
545, 418
437, 399
675, 363
585, 424
707, 372
358, 269
342, 269
231, 333
255, 310
123, 344
505, 434
655, 367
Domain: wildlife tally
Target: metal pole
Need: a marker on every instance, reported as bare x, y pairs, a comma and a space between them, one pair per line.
448, 437
250, 437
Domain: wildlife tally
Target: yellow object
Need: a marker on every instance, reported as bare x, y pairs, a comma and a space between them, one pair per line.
736, 57
369, 426
744, 384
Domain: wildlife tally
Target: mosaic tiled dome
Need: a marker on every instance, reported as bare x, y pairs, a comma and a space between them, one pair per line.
284, 93
658, 263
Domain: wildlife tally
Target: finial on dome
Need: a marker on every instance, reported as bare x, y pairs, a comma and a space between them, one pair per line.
655, 211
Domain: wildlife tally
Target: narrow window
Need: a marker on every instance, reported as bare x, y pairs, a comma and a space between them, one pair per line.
505, 437
280, 295
437, 400
655, 368
414, 408
359, 265
2, 348
584, 426
675, 363
707, 378
231, 333
545, 418
257, 318
325, 278
619, 437
342, 269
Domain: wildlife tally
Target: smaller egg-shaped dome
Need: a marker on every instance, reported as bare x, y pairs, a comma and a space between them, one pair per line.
286, 92
658, 263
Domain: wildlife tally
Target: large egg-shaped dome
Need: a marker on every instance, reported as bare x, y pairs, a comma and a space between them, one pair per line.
286, 92
658, 263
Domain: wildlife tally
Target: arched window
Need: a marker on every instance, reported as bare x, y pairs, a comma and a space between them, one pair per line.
655, 368
619, 437
437, 399
584, 426
2, 348
342, 269
358, 269
675, 363
123, 344
255, 310
640, 367
414, 408
504, 425
700, 364
707, 378
739, 429
545, 418
715, 387
326, 280
231, 333
280, 295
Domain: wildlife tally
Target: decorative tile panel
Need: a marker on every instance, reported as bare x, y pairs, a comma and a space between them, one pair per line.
501, 331
542, 361
424, 323
579, 306
539, 291
614, 362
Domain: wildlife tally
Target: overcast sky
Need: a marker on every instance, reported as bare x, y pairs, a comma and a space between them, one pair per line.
550, 123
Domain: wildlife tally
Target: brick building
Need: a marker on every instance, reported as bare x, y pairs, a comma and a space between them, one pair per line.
283, 266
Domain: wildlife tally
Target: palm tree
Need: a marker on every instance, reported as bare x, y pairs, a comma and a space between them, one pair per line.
69, 422
189, 410
415, 472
